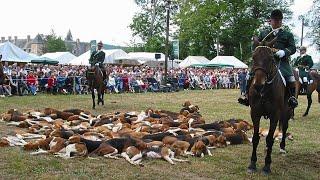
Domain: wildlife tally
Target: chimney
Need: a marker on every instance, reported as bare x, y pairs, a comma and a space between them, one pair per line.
28, 38
3, 39
9, 38
15, 39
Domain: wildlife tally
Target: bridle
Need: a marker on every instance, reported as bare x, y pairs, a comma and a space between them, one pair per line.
270, 77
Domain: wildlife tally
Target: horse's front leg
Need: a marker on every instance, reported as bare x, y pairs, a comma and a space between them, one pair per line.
93, 99
255, 141
309, 97
270, 140
285, 121
102, 96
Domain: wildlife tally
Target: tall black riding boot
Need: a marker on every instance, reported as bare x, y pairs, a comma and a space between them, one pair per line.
245, 100
293, 102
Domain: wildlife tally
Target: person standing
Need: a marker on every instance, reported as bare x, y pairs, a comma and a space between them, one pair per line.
243, 82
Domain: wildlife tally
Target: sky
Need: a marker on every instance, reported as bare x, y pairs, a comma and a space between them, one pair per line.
299, 8
106, 20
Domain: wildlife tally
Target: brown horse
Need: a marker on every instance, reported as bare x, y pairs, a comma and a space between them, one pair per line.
268, 97
95, 81
309, 89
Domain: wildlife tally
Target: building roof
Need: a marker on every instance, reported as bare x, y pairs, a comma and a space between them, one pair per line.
38, 40
69, 36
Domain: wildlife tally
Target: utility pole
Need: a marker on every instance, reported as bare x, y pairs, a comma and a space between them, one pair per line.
167, 41
240, 51
218, 48
302, 31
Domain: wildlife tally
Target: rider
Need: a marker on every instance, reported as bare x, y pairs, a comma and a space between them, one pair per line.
98, 56
304, 62
285, 46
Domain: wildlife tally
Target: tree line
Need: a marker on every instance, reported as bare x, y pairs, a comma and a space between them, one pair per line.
204, 27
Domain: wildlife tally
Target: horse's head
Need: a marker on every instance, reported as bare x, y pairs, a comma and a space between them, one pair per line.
263, 62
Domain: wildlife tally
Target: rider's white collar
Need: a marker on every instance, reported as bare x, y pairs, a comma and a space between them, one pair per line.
275, 31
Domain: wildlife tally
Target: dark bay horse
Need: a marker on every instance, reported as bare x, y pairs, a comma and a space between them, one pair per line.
95, 82
268, 97
309, 89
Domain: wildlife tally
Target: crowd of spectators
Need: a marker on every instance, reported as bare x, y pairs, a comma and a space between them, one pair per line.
66, 79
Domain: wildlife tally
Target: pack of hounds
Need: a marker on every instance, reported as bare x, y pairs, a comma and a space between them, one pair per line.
133, 136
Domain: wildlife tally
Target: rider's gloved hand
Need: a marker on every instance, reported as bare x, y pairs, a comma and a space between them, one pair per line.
280, 53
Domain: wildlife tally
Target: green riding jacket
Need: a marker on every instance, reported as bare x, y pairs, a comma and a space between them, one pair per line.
304, 62
97, 57
285, 41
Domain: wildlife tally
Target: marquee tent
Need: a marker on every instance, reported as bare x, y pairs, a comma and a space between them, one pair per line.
62, 57
194, 61
227, 61
111, 56
146, 56
12, 53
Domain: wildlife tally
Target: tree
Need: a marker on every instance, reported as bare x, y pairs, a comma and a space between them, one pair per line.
229, 23
150, 22
315, 22
53, 43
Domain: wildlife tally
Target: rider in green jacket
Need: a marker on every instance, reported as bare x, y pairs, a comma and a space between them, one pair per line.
285, 46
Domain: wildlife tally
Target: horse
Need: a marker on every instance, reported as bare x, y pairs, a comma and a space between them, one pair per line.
96, 81
268, 97
315, 85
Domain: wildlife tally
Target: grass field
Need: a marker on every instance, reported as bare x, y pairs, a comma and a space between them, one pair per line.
301, 162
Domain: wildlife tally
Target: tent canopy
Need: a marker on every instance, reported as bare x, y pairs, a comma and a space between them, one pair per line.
194, 61
12, 53
228, 61
61, 57
111, 56
145, 56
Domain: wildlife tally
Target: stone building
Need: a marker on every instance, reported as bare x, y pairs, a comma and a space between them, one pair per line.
35, 45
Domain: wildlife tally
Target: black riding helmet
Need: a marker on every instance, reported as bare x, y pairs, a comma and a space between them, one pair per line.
276, 14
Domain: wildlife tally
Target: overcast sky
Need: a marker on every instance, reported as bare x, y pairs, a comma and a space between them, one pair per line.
105, 20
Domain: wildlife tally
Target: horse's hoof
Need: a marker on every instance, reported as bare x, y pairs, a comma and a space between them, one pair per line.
252, 168
266, 171
251, 171
304, 115
282, 151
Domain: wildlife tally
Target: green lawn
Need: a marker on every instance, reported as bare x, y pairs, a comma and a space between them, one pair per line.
301, 162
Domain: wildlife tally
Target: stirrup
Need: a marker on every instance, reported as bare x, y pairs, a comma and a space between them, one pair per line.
293, 102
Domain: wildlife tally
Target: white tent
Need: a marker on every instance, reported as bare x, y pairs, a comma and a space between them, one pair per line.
12, 53
62, 57
145, 56
228, 60
111, 56
194, 61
